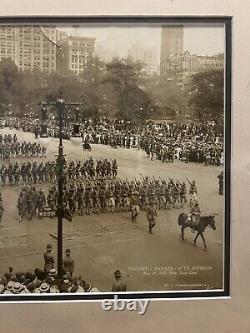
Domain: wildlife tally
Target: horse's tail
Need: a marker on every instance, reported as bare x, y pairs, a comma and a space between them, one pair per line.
180, 218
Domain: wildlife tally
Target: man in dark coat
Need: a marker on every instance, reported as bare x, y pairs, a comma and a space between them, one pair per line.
48, 259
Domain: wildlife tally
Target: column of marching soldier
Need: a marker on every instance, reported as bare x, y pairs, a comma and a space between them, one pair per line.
92, 186
37, 172
105, 196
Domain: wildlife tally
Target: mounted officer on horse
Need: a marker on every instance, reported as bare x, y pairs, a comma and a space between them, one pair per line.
200, 227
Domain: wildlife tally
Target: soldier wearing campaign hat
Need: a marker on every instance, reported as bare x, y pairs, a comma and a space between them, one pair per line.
48, 259
151, 214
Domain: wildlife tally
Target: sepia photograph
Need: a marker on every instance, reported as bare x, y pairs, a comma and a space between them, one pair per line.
114, 158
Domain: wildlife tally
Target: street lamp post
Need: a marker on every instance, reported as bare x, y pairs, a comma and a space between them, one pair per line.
61, 212
60, 105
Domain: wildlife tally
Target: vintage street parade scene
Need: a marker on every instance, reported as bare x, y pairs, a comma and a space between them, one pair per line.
111, 159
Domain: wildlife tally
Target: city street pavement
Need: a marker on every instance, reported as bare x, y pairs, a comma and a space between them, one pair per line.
105, 242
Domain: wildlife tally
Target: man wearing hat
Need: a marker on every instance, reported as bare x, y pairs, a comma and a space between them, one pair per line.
48, 259
52, 276
134, 202
44, 288
8, 288
68, 263
65, 286
17, 288
1, 288
194, 216
118, 285
54, 288
151, 214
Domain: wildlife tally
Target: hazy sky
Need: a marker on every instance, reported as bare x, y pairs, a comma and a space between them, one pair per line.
198, 39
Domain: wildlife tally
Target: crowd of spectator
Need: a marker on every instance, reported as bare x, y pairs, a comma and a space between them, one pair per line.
165, 141
47, 280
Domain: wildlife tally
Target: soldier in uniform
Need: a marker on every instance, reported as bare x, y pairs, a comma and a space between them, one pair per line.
193, 188
193, 193
183, 193
125, 198
80, 201
87, 199
10, 174
108, 169
91, 171
102, 195
194, 216
220, 177
16, 173
161, 197
151, 214
4, 173
134, 202
143, 198
21, 205
110, 200
51, 171
41, 172
114, 168
34, 172
48, 259
98, 168
51, 199
29, 205
71, 170
68, 263
95, 200
118, 200
177, 191
41, 201
78, 170
28, 172
71, 201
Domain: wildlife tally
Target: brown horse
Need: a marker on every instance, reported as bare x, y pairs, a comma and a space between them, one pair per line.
200, 227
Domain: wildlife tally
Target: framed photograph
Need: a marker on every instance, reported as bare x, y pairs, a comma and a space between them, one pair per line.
115, 152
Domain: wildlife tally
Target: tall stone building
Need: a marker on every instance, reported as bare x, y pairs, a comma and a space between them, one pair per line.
171, 46
75, 53
37, 49
8, 42
30, 47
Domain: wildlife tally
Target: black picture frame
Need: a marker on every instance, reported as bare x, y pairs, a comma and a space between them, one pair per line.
140, 20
